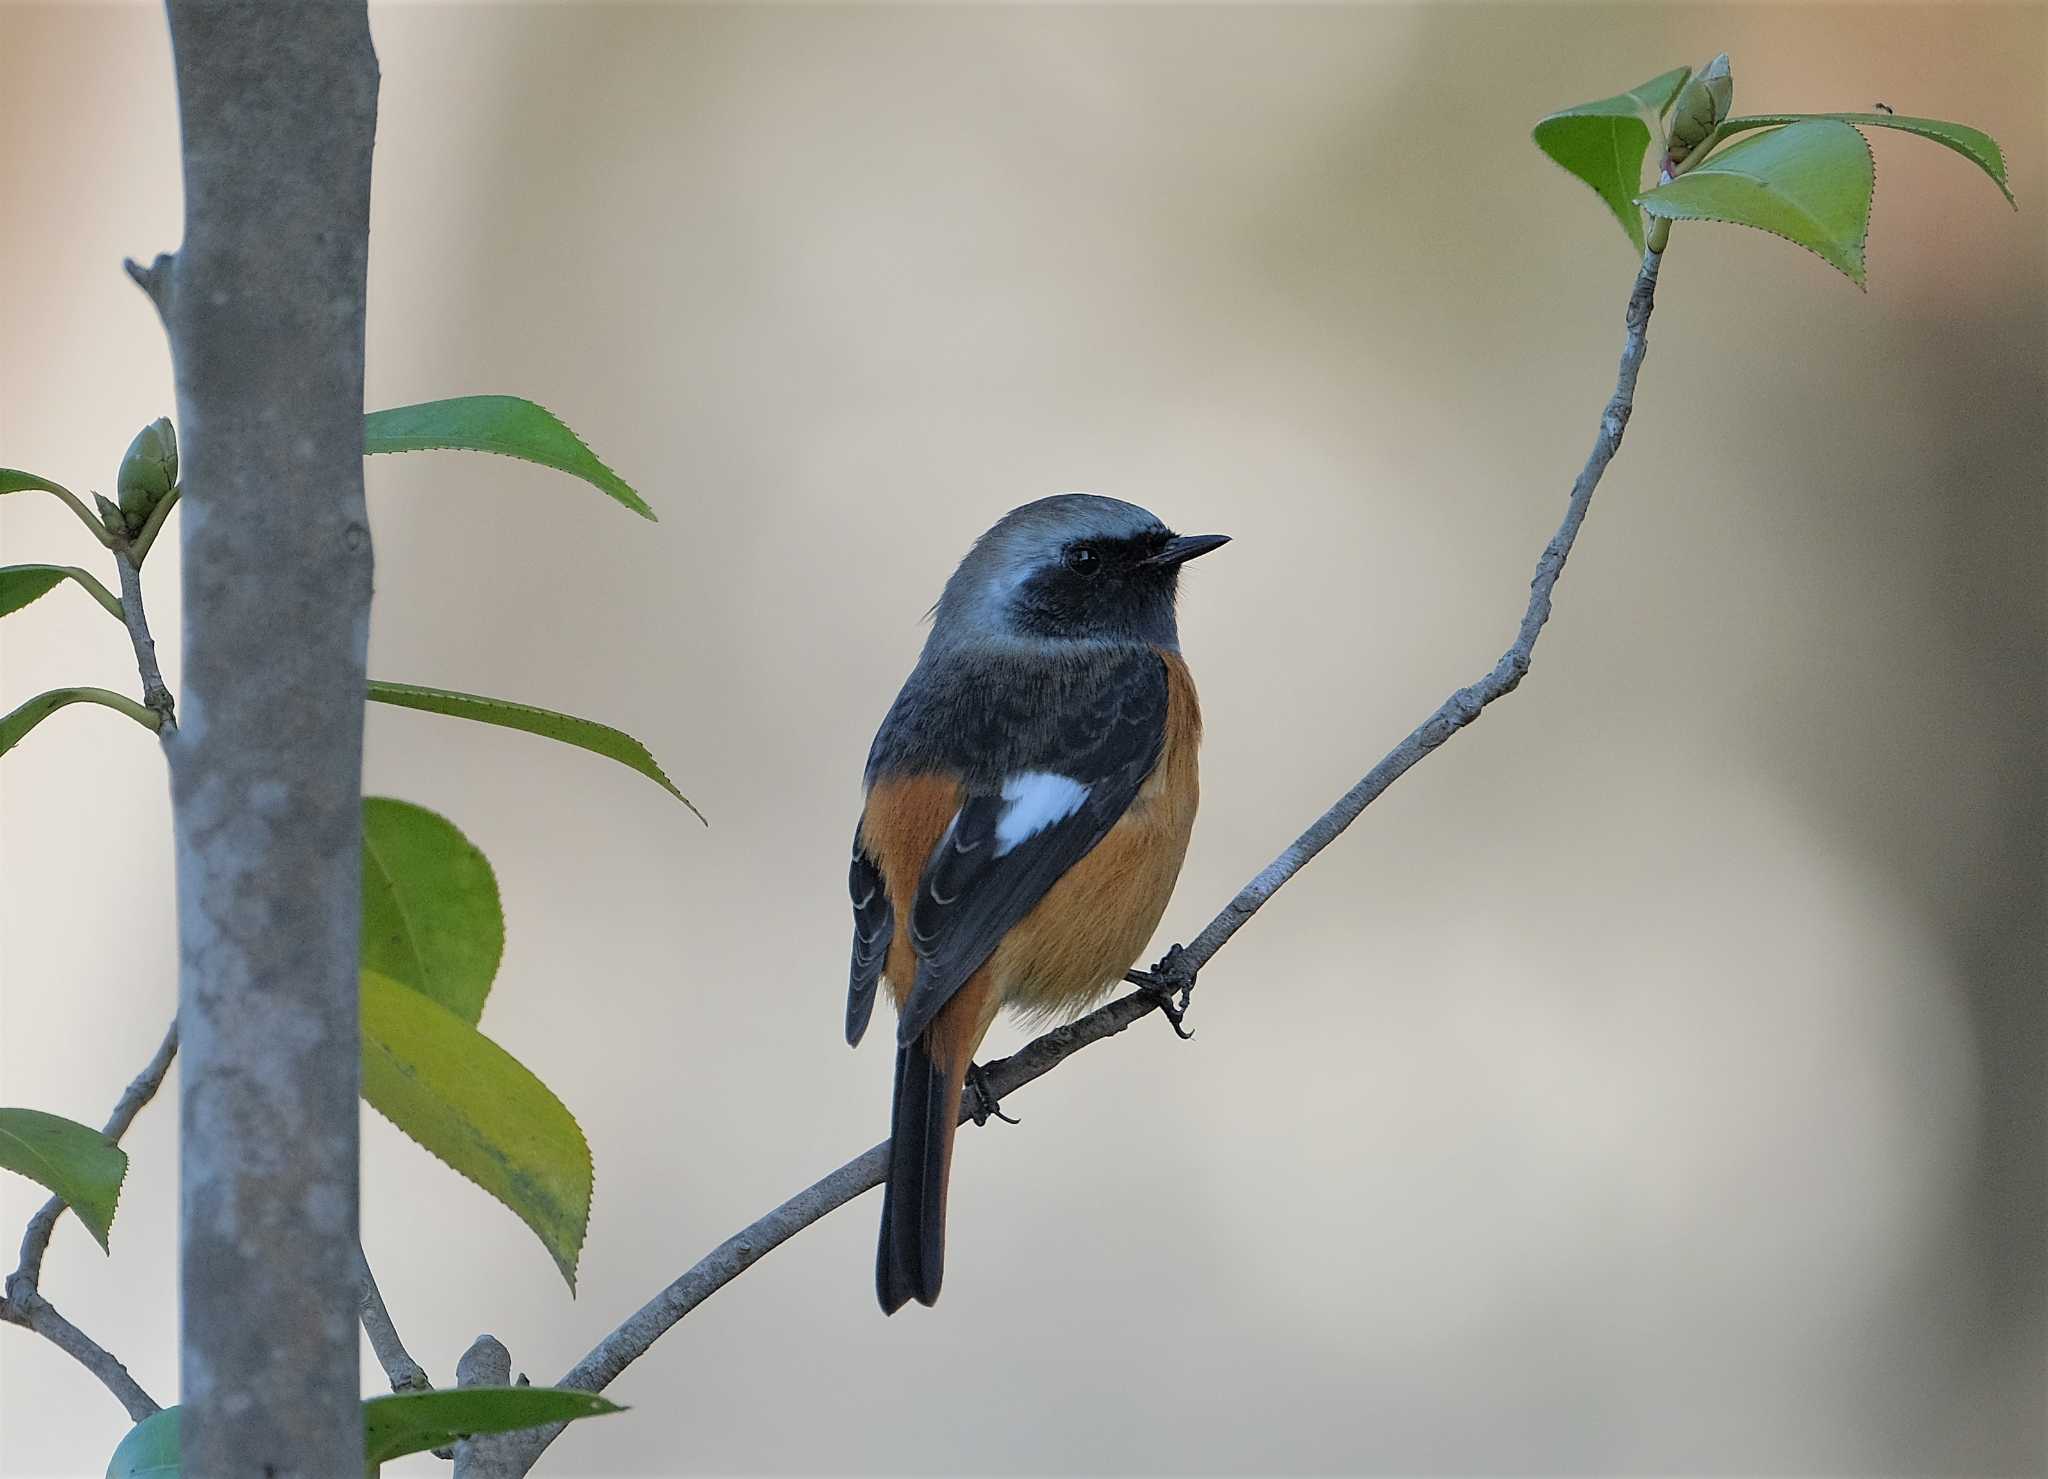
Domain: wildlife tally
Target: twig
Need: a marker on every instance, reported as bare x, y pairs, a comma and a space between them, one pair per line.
37, 1313
485, 1364
24, 1304
736, 1254
1462, 707
156, 697
21, 1284
155, 280
404, 1373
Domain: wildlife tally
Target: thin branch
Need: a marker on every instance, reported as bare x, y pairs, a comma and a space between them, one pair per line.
21, 1284
156, 697
736, 1254
155, 280
404, 1373
38, 1314
1462, 707
485, 1364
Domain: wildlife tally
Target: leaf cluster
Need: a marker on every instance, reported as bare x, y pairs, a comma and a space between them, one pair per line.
1807, 177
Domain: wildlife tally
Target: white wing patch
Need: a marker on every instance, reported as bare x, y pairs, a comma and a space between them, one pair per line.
1036, 800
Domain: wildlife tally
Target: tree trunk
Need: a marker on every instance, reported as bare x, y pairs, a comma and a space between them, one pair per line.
264, 306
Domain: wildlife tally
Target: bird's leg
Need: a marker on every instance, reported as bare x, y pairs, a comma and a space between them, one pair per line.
1171, 984
985, 1101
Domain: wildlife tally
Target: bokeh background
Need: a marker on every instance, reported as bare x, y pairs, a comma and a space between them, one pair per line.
1652, 1082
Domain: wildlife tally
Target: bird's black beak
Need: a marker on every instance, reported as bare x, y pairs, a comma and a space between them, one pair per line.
1184, 547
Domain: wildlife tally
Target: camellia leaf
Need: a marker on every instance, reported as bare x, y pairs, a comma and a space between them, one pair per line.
504, 424
149, 1450
1972, 143
1604, 143
431, 918
413, 1422
14, 480
17, 724
410, 1422
76, 1162
1808, 182
21, 584
585, 734
480, 1110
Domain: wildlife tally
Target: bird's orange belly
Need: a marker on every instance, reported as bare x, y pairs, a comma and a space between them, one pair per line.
1093, 924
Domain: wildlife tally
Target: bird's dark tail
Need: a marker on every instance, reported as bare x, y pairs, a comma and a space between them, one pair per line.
912, 1255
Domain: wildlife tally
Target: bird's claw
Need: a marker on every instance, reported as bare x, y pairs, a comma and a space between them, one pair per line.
985, 1102
1171, 984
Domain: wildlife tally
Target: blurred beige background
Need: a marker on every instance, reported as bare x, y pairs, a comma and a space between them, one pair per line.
1651, 1083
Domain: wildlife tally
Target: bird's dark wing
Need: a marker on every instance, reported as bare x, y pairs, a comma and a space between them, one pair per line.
1070, 775
874, 921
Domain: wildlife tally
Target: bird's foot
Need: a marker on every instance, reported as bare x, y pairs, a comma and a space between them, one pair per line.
985, 1102
1170, 983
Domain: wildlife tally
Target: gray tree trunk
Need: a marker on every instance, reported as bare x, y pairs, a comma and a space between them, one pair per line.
264, 305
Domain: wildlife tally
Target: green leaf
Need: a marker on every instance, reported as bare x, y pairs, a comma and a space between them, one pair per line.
431, 918
1603, 143
1808, 182
476, 1107
1972, 143
21, 584
585, 734
17, 724
413, 1422
76, 1162
14, 480
149, 1450
504, 424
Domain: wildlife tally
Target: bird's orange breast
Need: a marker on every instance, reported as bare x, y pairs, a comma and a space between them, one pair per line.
1095, 921
1093, 924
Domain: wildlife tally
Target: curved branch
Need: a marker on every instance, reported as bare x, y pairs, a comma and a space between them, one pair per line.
156, 696
38, 1314
400, 1369
35, 1239
633, 1338
1462, 707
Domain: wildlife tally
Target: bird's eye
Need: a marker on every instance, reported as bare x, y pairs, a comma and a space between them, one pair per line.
1082, 559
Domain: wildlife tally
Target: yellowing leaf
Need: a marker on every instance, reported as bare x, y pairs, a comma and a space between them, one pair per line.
480, 1110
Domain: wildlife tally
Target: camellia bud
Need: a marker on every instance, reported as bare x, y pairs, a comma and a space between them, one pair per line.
149, 471
1701, 106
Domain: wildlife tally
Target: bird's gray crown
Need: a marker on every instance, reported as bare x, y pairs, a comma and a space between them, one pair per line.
1002, 590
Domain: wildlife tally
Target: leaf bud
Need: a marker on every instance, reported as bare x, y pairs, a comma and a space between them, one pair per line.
1701, 106
149, 471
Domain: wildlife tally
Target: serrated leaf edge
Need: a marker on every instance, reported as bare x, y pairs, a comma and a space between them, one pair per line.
1631, 226
631, 498
1894, 123
653, 771
1861, 280
568, 1270
504, 926
120, 1181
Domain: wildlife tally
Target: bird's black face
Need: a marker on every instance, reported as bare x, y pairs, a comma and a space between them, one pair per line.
1119, 587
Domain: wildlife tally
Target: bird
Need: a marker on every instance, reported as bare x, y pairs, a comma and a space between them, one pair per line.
1029, 799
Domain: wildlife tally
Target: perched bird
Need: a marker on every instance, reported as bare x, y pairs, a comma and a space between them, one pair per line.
1029, 799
